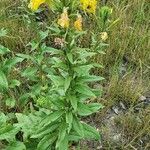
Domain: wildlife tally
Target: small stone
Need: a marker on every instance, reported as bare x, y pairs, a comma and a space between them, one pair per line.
122, 105
142, 98
117, 137
115, 109
99, 147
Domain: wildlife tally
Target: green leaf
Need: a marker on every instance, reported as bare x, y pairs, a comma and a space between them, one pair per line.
83, 69
63, 145
3, 50
3, 118
73, 136
74, 101
83, 53
29, 72
39, 59
69, 120
47, 141
50, 118
83, 89
67, 83
104, 13
85, 110
8, 132
70, 57
11, 63
10, 102
94, 107
14, 83
97, 65
46, 130
16, 146
23, 99
90, 132
43, 35
55, 28
51, 50
61, 134
60, 65
57, 80
25, 56
56, 101
36, 89
34, 45
3, 32
97, 92
27, 124
3, 81
77, 126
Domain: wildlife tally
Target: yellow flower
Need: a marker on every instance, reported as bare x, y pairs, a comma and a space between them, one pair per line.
104, 36
34, 4
64, 19
89, 5
78, 23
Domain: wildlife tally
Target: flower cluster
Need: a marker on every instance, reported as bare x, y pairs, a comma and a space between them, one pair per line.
89, 5
64, 19
34, 4
78, 23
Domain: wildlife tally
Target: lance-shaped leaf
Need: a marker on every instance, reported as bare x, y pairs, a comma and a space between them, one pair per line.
9, 63
83, 89
57, 80
88, 109
61, 135
16, 146
3, 81
3, 50
47, 141
83, 69
8, 132
90, 132
74, 101
46, 130
77, 127
50, 118
69, 120
64, 144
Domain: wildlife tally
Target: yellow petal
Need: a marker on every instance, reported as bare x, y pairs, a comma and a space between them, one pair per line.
89, 5
78, 23
64, 19
34, 4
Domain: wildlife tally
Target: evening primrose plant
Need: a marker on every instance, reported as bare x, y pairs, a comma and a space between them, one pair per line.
60, 83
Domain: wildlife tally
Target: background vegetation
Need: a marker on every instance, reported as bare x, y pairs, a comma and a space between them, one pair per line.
125, 120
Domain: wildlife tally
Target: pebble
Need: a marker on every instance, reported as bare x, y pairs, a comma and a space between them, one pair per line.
142, 98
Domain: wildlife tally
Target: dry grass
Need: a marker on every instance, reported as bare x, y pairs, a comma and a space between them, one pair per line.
12, 19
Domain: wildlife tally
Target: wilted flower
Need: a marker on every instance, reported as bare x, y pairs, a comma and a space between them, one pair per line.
104, 36
34, 4
78, 23
89, 5
64, 20
59, 42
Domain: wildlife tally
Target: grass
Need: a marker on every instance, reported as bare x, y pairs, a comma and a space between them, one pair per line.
126, 64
